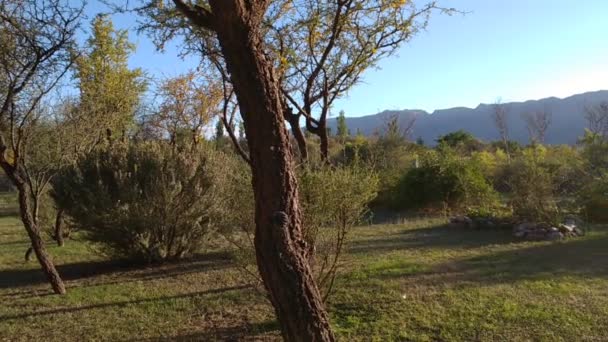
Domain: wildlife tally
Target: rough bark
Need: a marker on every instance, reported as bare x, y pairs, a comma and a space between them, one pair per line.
33, 231
279, 244
294, 123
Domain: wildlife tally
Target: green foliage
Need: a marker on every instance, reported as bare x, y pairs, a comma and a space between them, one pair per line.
460, 140
342, 127
447, 180
144, 202
219, 132
594, 199
532, 195
595, 151
334, 200
455, 139
109, 91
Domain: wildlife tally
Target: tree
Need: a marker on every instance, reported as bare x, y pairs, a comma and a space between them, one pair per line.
219, 132
597, 119
187, 106
500, 115
109, 90
537, 123
254, 45
36, 45
342, 127
455, 139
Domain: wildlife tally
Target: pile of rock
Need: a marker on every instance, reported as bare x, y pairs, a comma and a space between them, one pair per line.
542, 231
473, 223
461, 222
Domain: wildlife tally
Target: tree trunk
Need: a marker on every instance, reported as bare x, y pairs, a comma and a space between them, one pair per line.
59, 234
294, 123
279, 244
33, 231
38, 244
28, 254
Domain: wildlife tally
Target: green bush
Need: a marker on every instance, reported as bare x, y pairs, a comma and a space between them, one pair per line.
144, 201
333, 199
445, 180
532, 194
594, 199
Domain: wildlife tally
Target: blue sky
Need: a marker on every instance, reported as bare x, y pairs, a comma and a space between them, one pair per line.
517, 50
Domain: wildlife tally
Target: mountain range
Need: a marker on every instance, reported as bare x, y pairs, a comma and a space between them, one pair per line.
567, 120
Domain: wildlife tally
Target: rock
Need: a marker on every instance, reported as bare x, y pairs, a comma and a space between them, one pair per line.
578, 231
464, 221
553, 230
519, 234
554, 236
571, 221
536, 235
567, 228
522, 227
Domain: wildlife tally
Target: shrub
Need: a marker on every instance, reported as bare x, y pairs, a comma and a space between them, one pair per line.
445, 180
532, 192
144, 201
334, 199
594, 199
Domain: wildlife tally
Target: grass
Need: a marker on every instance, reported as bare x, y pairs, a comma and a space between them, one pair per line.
418, 281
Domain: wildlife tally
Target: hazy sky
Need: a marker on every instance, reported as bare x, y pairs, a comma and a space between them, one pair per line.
517, 50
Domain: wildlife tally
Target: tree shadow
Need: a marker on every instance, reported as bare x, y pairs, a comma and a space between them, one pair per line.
266, 331
41, 313
14, 243
581, 257
585, 258
441, 236
85, 271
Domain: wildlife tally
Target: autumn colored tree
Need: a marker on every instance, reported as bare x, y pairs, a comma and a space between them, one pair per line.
188, 103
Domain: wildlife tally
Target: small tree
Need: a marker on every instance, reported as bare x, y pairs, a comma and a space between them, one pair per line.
597, 119
188, 103
342, 127
500, 115
538, 123
36, 45
110, 91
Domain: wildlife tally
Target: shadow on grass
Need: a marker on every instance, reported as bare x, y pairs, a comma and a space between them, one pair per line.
442, 236
244, 332
84, 270
585, 257
119, 304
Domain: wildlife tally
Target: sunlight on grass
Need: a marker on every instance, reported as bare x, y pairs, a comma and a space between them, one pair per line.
419, 281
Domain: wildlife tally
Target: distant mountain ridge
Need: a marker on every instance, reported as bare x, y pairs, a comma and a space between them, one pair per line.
567, 124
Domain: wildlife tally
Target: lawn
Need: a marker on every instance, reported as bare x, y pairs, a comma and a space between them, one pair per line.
418, 281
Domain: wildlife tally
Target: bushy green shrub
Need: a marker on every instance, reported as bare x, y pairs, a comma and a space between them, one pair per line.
445, 180
334, 199
594, 199
144, 201
532, 193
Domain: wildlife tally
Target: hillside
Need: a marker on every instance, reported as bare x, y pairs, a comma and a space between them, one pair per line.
567, 125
